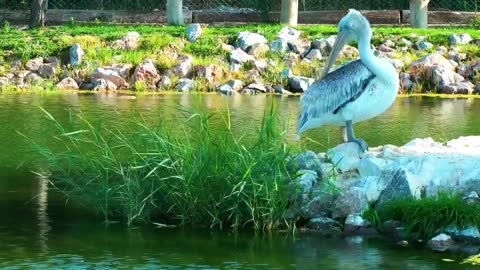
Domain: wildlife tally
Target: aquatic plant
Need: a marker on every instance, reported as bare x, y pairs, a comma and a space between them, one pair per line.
196, 176
428, 216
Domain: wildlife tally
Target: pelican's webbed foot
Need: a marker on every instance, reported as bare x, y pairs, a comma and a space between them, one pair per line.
362, 143
350, 136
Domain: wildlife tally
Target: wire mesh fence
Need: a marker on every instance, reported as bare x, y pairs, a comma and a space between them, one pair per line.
245, 5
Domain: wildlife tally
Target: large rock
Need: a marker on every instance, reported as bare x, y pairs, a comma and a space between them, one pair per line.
246, 40
259, 50
299, 46
254, 88
4, 81
33, 78
442, 76
34, 64
324, 225
299, 84
211, 73
356, 225
423, 69
185, 85
146, 73
460, 39
279, 46
463, 88
441, 242
110, 75
239, 56
184, 68
194, 31
67, 84
346, 156
104, 85
76, 55
289, 34
46, 71
131, 41
314, 54
470, 234
325, 45
226, 89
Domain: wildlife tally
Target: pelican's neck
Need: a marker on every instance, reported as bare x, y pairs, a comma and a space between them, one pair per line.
368, 58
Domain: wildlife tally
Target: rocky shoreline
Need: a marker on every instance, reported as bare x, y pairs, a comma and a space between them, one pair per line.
337, 187
252, 59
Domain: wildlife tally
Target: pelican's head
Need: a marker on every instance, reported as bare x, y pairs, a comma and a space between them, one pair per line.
352, 27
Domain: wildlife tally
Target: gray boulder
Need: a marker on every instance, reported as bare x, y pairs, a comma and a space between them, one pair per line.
470, 234
194, 31
289, 34
76, 55
279, 46
226, 89
314, 54
34, 64
423, 45
46, 71
460, 39
441, 242
246, 40
462, 88
356, 225
299, 84
67, 84
325, 45
254, 88
185, 85
324, 225
240, 57
184, 68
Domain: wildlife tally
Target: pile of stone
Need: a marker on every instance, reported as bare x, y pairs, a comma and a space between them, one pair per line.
342, 183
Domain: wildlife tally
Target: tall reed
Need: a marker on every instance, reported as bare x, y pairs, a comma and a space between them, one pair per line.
199, 175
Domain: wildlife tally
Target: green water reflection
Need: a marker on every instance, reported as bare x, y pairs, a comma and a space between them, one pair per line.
38, 231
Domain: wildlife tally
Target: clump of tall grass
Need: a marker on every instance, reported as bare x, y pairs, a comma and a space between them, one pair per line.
432, 215
201, 176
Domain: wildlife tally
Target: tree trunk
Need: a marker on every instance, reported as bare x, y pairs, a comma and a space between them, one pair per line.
289, 12
419, 13
175, 12
37, 16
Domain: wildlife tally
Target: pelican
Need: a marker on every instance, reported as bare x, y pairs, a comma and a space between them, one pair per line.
353, 93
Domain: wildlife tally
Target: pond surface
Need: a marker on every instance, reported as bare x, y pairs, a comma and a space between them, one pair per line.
38, 231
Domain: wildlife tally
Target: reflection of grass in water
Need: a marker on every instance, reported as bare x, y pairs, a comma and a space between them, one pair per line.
200, 177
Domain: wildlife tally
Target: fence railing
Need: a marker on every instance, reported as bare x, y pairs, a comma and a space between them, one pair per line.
254, 5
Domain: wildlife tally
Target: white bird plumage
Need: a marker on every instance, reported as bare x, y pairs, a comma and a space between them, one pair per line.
356, 92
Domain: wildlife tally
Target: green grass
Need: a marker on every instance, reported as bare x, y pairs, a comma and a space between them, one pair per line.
195, 177
428, 216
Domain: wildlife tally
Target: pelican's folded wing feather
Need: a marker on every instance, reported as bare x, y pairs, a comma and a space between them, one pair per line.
335, 91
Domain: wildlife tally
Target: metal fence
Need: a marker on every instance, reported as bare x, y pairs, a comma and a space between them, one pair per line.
254, 5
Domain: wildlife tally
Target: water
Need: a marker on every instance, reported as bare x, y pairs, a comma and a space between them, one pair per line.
39, 231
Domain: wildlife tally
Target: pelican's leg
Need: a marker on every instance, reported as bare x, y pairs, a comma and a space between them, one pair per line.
344, 134
351, 137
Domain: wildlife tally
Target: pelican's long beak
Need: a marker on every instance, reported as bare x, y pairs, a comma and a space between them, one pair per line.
340, 42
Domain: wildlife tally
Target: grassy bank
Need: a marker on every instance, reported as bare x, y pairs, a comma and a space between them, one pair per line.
55, 41
159, 42
193, 177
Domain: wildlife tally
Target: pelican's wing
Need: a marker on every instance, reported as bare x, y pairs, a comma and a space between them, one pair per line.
335, 91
